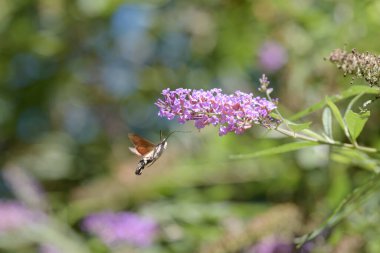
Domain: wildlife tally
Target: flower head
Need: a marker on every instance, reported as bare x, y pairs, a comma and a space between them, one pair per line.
363, 65
264, 85
121, 228
233, 113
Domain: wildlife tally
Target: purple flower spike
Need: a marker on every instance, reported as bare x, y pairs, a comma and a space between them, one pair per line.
121, 228
233, 113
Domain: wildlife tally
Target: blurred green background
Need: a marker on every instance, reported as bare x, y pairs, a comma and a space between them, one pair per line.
77, 76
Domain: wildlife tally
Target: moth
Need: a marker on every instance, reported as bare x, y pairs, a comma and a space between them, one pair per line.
147, 150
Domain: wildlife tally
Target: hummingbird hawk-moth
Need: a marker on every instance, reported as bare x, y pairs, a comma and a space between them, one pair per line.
147, 150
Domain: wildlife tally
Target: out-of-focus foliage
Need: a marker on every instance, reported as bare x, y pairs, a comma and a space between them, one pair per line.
77, 76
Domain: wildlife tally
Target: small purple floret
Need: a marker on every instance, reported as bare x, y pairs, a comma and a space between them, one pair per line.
233, 113
121, 228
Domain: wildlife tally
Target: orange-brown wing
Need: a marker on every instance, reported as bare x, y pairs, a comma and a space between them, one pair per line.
142, 146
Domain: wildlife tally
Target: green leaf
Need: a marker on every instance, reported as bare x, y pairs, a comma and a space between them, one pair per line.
340, 185
352, 102
304, 128
299, 127
349, 204
327, 122
275, 115
276, 150
314, 134
356, 122
338, 116
352, 91
357, 158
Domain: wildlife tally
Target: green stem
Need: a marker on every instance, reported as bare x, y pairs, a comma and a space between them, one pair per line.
331, 143
277, 111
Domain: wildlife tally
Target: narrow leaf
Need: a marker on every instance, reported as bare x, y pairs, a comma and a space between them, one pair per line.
304, 128
327, 122
352, 91
315, 135
356, 122
276, 150
352, 102
349, 204
299, 127
356, 158
276, 116
338, 116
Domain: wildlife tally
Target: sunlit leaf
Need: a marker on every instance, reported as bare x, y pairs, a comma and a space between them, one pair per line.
299, 127
335, 111
352, 91
356, 122
314, 134
352, 102
327, 122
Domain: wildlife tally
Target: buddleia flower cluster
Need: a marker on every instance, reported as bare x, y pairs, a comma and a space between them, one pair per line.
236, 112
363, 65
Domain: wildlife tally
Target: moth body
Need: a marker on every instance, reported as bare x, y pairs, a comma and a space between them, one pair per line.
147, 150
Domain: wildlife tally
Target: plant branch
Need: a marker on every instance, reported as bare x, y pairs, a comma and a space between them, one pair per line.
331, 143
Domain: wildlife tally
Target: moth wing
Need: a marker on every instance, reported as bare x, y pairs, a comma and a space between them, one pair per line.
142, 146
134, 151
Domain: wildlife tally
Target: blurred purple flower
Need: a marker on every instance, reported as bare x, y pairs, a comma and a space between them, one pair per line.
307, 247
121, 228
48, 248
272, 245
233, 113
25, 186
14, 215
272, 56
